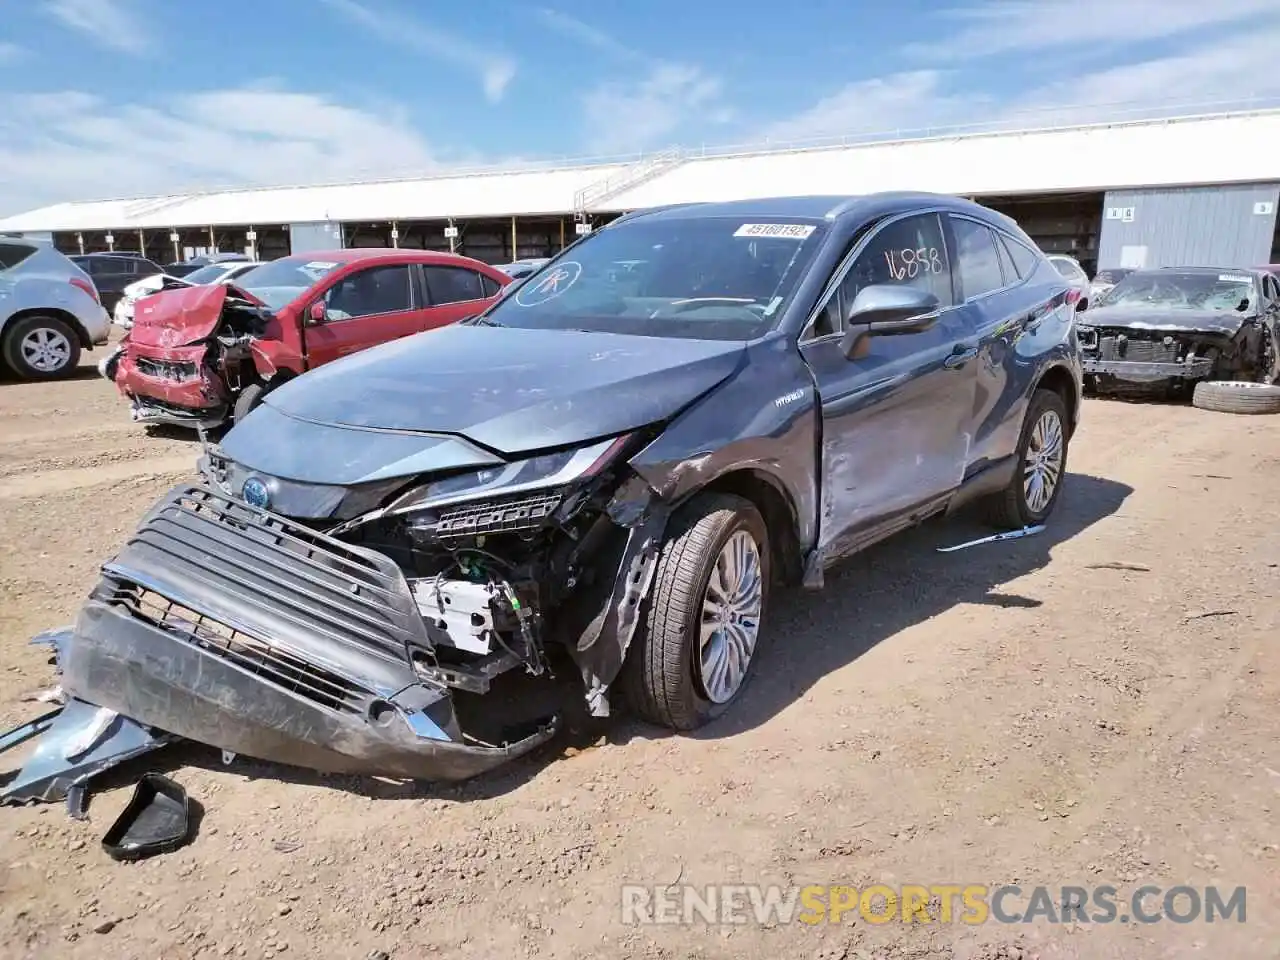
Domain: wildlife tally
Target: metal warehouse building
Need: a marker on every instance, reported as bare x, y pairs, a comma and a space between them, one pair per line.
1178, 190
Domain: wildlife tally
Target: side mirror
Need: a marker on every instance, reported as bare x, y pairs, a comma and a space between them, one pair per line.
317, 313
885, 310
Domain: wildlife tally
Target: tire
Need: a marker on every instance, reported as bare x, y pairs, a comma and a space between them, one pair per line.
249, 398
1236, 396
1010, 509
663, 678
41, 348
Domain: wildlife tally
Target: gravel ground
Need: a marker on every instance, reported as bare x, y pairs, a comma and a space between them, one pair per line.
1095, 705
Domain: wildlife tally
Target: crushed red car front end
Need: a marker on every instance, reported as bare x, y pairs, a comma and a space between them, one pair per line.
186, 355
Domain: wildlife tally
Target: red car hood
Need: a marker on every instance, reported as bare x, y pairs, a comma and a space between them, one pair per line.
180, 317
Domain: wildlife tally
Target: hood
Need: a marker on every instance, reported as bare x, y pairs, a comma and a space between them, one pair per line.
1187, 321
179, 317
511, 390
140, 288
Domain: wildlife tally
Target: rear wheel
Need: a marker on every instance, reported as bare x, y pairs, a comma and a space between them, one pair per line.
41, 348
1042, 462
697, 644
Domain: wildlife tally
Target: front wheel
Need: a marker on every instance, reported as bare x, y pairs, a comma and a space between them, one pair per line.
247, 402
699, 636
1041, 466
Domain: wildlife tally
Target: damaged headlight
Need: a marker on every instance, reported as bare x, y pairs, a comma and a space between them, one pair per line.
549, 470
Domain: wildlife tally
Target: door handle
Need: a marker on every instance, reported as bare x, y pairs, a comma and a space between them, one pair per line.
959, 357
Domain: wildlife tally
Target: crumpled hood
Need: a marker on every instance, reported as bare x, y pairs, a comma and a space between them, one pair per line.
177, 318
1186, 321
508, 389
181, 316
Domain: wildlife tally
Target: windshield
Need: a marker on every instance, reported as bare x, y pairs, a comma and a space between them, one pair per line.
209, 274
281, 281
1183, 291
714, 278
1067, 268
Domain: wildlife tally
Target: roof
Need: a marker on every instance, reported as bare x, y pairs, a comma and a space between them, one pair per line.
359, 254
1173, 151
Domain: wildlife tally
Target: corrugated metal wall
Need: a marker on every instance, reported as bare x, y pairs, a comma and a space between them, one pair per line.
1185, 226
315, 236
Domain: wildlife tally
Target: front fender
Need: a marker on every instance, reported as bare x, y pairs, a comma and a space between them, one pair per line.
763, 420
271, 357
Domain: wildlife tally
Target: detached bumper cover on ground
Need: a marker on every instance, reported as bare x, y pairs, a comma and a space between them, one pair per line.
238, 629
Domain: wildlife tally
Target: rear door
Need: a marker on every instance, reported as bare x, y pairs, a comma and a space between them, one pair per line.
364, 308
456, 292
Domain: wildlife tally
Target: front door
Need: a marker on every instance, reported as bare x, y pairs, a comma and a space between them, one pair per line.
896, 419
364, 308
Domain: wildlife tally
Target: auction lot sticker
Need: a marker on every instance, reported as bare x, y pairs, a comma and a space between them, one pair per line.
783, 231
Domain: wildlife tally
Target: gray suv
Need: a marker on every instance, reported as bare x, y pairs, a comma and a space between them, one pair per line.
49, 311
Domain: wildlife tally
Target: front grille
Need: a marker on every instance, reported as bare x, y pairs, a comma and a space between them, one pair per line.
305, 679
476, 519
178, 370
1138, 351
293, 587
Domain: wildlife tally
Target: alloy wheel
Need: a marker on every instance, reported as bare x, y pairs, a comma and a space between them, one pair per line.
731, 608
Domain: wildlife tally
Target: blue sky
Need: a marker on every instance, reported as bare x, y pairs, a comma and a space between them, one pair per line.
102, 98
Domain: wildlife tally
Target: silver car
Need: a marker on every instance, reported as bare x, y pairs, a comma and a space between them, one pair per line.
1073, 273
49, 311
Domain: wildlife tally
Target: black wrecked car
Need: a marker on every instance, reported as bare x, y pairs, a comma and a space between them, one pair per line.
617, 462
1165, 330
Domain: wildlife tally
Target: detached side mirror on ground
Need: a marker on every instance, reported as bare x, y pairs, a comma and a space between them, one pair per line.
883, 310
317, 313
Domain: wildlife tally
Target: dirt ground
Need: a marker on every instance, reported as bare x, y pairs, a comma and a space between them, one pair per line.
1096, 705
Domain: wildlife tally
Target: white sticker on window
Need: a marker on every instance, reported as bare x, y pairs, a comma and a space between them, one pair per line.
1235, 277
785, 231
319, 265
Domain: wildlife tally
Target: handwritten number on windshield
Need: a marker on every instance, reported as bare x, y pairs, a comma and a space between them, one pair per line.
908, 264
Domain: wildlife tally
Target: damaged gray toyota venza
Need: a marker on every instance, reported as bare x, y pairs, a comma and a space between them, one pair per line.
615, 463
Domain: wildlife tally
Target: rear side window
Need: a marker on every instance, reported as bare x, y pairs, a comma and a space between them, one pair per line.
1011, 274
489, 285
12, 254
1024, 259
453, 285
977, 262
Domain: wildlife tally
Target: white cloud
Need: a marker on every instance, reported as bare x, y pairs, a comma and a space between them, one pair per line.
1233, 68
590, 36
494, 68
74, 145
112, 23
626, 116
1006, 26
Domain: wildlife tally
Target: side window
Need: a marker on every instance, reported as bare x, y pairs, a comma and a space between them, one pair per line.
100, 267
370, 292
489, 285
1010, 269
909, 251
976, 260
453, 285
1271, 287
1024, 259
12, 254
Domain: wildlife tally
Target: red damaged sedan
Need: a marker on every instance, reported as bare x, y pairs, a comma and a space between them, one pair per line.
204, 356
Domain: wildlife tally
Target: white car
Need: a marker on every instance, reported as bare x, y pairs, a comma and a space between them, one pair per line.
1074, 274
223, 272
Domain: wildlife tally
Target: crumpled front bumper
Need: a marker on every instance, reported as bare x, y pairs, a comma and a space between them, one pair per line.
201, 400
237, 628
1141, 372
142, 672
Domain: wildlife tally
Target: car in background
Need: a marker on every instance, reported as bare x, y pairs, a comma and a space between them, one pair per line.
522, 269
49, 311
222, 272
1074, 274
1104, 280
1163, 331
185, 267
613, 466
201, 356
112, 272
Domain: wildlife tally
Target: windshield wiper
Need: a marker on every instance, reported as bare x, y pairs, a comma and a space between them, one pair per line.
480, 320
